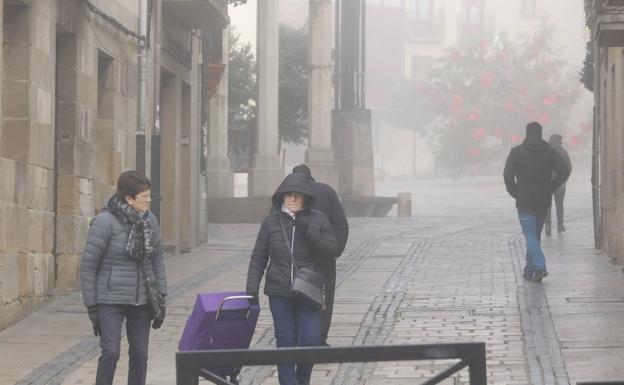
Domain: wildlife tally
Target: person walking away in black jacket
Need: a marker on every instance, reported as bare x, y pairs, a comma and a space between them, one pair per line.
555, 142
528, 176
122, 254
308, 233
326, 201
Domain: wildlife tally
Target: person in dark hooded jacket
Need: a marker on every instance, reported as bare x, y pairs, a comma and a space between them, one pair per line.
533, 171
555, 142
326, 200
312, 240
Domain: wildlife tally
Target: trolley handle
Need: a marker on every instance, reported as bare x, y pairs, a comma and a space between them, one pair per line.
231, 298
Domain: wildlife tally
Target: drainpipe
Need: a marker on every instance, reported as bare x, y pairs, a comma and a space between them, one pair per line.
596, 161
140, 139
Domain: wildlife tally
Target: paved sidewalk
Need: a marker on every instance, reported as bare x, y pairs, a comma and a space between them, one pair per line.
450, 273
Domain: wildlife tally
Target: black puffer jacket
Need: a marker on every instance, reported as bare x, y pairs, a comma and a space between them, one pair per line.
312, 249
529, 172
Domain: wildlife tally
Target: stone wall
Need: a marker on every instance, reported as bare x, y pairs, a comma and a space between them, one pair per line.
611, 126
68, 129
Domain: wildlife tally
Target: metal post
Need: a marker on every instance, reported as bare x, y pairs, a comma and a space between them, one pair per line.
596, 161
362, 89
477, 366
140, 140
155, 166
337, 53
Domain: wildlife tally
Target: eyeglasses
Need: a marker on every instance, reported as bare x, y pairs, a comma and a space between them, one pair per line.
144, 196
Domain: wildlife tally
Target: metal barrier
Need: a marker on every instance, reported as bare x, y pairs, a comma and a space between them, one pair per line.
601, 383
189, 364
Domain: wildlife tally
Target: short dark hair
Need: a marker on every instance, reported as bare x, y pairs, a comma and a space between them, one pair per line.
534, 129
302, 169
131, 183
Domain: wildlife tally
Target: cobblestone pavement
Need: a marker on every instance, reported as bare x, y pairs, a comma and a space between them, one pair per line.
450, 273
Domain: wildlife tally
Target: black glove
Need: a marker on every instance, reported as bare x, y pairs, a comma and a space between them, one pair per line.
301, 223
158, 321
92, 311
254, 300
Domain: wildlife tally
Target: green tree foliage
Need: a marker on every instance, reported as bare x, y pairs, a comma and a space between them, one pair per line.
241, 83
293, 83
587, 73
481, 95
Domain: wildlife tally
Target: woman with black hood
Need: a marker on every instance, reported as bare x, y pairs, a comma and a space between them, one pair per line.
309, 235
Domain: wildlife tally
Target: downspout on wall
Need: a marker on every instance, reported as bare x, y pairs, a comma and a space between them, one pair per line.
143, 74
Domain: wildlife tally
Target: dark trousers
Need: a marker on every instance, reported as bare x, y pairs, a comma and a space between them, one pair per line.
558, 196
330, 290
137, 331
295, 325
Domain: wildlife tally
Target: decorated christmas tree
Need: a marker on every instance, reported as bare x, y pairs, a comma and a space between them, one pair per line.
481, 94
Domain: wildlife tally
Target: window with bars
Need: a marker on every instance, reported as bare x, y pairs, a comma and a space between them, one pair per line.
473, 11
529, 8
422, 10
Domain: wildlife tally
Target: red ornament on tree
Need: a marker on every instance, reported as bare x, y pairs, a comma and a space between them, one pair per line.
478, 133
487, 78
574, 141
473, 116
474, 152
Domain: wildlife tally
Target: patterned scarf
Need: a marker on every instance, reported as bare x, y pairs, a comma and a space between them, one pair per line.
141, 238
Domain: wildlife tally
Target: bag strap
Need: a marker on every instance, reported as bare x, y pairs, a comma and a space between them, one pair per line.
289, 247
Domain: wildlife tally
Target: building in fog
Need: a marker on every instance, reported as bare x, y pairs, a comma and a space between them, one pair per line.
69, 127
606, 22
404, 37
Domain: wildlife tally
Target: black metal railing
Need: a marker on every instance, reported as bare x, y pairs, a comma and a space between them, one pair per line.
601, 383
190, 365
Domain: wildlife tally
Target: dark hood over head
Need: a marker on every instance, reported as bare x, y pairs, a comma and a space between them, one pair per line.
295, 182
535, 144
556, 140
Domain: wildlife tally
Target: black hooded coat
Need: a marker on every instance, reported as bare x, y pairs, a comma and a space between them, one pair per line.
312, 249
533, 171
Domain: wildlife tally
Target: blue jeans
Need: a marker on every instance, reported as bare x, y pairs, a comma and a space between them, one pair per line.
532, 223
138, 319
295, 325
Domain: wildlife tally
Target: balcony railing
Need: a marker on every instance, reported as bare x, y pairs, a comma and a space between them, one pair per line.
426, 31
606, 20
199, 14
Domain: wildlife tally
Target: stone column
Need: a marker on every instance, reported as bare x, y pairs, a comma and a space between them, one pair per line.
170, 121
218, 170
320, 156
266, 171
189, 151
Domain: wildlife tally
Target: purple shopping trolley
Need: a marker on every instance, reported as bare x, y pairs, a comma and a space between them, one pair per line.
220, 321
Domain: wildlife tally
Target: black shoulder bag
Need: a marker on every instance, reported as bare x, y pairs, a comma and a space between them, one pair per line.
306, 285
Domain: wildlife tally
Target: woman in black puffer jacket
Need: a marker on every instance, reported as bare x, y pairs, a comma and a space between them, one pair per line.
295, 323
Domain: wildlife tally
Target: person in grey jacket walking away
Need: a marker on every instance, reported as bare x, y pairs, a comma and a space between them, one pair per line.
528, 176
326, 201
555, 142
123, 252
291, 226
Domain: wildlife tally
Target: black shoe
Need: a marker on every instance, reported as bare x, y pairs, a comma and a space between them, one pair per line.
324, 343
539, 275
560, 229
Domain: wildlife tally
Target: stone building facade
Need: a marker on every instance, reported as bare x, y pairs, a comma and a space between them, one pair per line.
69, 116
605, 19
